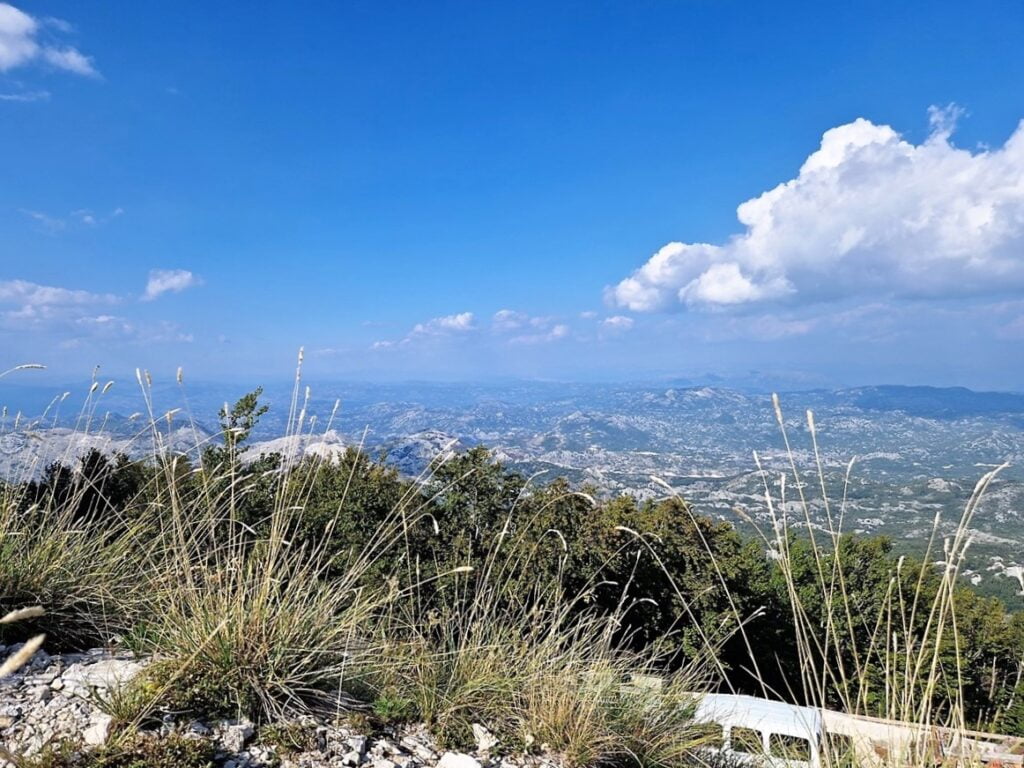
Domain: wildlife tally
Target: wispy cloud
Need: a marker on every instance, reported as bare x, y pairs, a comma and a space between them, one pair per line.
72, 318
527, 329
45, 221
446, 325
90, 219
509, 320
83, 216
26, 40
112, 328
71, 60
869, 214
163, 281
1013, 329
59, 24
554, 333
771, 327
27, 306
26, 96
618, 323
23, 292
507, 326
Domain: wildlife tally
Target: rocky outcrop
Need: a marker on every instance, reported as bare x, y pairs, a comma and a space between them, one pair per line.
55, 698
59, 699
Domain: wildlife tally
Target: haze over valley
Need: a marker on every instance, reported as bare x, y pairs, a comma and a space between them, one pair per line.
917, 451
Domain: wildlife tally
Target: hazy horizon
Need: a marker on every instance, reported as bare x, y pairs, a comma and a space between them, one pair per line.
755, 382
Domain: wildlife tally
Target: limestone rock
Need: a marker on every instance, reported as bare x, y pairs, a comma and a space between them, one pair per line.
458, 760
351, 759
358, 744
234, 737
102, 675
485, 740
419, 749
98, 730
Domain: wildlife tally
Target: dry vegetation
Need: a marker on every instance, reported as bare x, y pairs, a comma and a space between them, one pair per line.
245, 620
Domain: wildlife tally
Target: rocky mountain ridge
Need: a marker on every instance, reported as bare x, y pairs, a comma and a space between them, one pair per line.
917, 451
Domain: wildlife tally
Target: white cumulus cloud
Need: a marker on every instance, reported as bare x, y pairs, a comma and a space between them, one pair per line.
163, 281
463, 321
72, 318
509, 320
24, 40
28, 306
446, 325
868, 214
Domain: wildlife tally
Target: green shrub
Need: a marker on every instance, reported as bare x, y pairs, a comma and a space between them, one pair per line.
188, 691
393, 709
534, 667
143, 750
289, 737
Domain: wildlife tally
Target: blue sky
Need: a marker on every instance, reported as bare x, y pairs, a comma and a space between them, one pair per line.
556, 190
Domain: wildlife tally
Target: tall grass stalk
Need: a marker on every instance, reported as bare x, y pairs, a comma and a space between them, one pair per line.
909, 668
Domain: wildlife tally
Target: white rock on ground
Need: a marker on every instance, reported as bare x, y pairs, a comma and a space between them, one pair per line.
56, 699
98, 730
485, 740
235, 737
52, 698
101, 675
458, 760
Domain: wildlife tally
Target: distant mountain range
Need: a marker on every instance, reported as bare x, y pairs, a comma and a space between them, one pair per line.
919, 450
